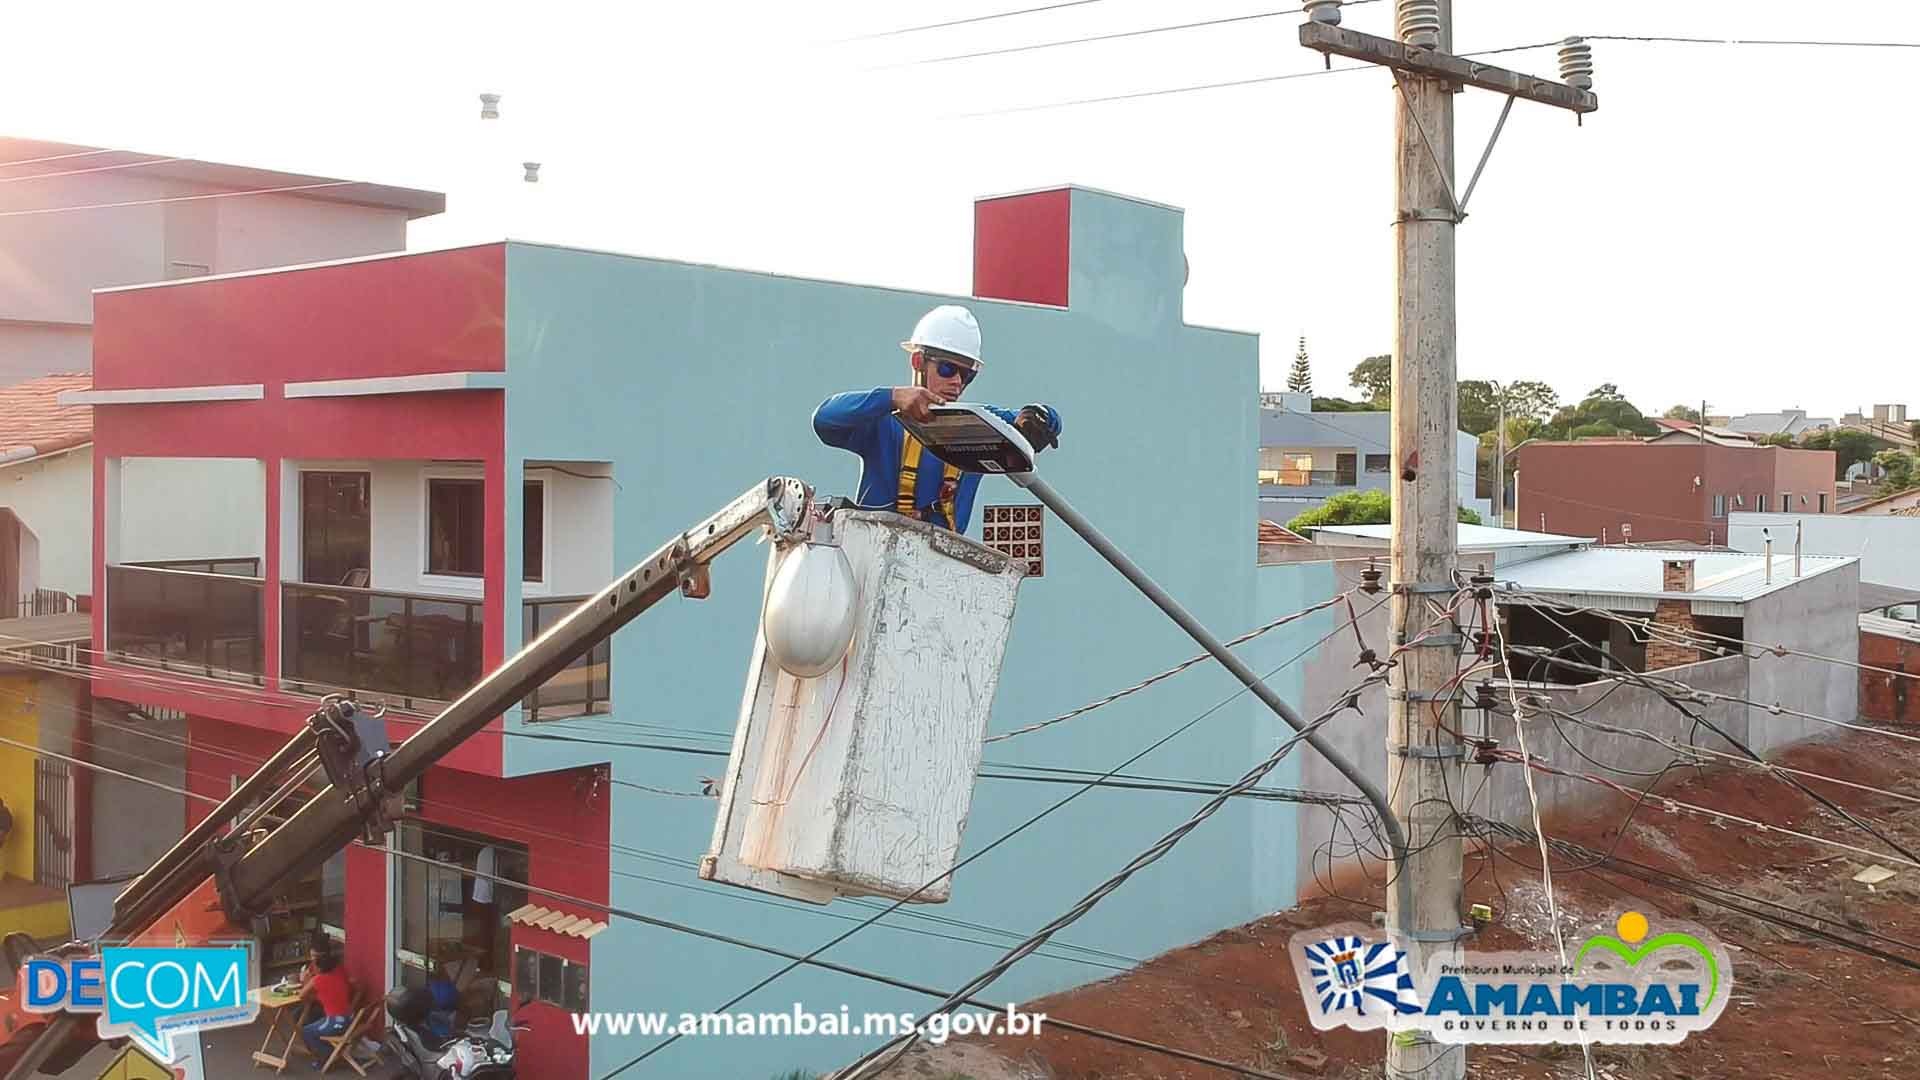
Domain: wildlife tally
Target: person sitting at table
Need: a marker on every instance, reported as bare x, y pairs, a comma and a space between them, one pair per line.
330, 989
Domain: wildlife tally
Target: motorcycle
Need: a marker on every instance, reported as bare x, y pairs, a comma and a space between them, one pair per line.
485, 1051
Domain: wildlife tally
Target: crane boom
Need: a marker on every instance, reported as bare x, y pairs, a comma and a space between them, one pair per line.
353, 802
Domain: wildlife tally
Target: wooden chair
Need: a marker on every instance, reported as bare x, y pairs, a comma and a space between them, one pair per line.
342, 1044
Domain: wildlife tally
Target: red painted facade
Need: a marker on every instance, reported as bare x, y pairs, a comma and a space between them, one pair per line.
378, 318
1593, 488
561, 817
1889, 698
1022, 245
417, 314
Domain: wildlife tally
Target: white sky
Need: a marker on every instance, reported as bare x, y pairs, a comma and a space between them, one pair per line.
1734, 224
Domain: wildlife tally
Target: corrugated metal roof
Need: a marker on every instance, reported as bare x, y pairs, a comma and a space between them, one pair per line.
1723, 576
1477, 537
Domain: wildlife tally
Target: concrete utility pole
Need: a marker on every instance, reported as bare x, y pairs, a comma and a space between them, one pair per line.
1424, 762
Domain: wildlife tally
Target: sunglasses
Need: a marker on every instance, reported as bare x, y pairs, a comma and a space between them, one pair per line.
949, 369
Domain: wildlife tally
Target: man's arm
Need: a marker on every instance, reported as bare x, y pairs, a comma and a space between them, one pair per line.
849, 420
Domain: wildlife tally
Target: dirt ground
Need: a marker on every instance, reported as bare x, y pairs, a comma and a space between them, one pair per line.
1801, 1007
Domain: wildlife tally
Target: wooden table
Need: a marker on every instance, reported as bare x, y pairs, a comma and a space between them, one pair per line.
286, 1006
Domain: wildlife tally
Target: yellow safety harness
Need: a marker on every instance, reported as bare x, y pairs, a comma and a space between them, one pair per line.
905, 502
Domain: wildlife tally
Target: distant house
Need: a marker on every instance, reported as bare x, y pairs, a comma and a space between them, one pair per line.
78, 218
1794, 422
1666, 489
1682, 431
1307, 457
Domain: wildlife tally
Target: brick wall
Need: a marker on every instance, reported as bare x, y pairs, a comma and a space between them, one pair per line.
1676, 576
1889, 698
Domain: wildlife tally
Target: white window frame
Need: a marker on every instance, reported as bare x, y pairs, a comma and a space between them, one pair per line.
448, 584
544, 478
1719, 506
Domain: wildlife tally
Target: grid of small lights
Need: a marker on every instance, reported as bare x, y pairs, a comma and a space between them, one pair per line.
1015, 531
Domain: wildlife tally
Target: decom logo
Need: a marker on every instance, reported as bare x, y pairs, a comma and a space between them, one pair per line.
147, 992
1626, 987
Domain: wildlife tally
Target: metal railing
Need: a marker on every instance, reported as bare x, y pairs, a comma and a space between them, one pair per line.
186, 620
402, 648
244, 566
582, 688
1313, 477
44, 602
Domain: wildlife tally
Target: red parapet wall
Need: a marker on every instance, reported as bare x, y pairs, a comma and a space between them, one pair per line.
1022, 247
1884, 696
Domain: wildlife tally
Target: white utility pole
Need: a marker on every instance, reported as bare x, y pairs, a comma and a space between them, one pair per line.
1424, 761
1500, 461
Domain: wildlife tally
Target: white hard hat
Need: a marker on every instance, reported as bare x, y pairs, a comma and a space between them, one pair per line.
949, 328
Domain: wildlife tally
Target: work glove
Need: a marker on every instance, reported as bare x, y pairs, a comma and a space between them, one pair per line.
1035, 426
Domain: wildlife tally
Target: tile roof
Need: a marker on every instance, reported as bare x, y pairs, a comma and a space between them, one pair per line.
1273, 533
33, 422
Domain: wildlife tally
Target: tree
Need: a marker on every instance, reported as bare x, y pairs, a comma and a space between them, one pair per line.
1334, 404
1533, 400
1602, 412
1358, 508
1375, 376
1683, 412
1849, 447
1300, 379
1479, 406
1914, 431
1900, 468
1778, 438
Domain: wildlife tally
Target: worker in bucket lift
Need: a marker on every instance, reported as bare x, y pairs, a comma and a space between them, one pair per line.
896, 472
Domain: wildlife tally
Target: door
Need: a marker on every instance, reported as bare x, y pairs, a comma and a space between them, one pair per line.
336, 528
53, 823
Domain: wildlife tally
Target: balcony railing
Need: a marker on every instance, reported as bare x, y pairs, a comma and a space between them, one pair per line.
1314, 477
582, 688
400, 648
248, 566
187, 620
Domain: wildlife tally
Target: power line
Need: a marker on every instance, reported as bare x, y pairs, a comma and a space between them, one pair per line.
1005, 837
1037, 46
1740, 745
1106, 888
1533, 804
963, 22
95, 169
1135, 95
1752, 41
56, 157
178, 198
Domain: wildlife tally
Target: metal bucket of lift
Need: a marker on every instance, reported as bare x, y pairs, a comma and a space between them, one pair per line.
853, 767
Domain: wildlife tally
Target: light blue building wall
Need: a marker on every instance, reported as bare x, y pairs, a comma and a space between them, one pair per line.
695, 382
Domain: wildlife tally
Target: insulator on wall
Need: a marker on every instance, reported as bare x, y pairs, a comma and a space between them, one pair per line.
1420, 23
1576, 63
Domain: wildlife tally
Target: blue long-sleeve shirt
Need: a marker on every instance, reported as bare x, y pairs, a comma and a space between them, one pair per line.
862, 421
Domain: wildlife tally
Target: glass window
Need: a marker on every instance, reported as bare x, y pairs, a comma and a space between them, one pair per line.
1786, 502
533, 531
539, 976
456, 523
1823, 502
1719, 506
1377, 463
453, 920
1760, 503
336, 528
